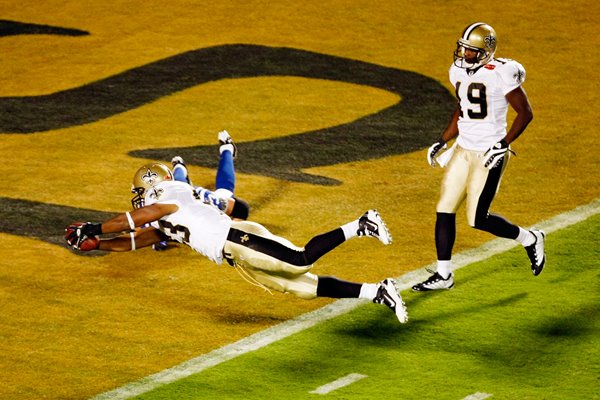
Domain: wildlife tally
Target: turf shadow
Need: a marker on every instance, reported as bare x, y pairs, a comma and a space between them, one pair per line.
44, 221
575, 325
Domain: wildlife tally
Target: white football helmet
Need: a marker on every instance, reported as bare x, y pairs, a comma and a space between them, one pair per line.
145, 178
479, 37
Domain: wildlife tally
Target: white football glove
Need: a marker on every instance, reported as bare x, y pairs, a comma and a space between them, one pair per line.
210, 198
493, 156
433, 150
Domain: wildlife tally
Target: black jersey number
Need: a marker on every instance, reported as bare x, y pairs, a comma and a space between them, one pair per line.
177, 232
476, 93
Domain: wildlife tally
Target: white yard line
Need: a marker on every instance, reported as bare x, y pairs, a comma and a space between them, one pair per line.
338, 383
478, 396
339, 307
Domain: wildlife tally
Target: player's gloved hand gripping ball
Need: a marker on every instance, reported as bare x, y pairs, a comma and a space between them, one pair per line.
83, 236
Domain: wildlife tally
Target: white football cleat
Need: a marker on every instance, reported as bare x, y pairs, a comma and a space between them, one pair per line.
435, 282
226, 143
388, 294
177, 160
371, 224
536, 253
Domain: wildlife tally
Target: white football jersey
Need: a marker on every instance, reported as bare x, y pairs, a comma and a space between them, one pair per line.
483, 105
201, 226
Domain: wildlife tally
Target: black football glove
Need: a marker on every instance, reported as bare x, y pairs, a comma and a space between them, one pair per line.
433, 150
77, 233
493, 156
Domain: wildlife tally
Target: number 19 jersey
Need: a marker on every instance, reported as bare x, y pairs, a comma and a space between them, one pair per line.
483, 105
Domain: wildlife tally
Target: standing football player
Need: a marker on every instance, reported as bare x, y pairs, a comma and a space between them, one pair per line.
485, 86
167, 208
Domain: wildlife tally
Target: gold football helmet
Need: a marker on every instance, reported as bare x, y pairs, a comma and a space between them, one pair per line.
145, 178
479, 37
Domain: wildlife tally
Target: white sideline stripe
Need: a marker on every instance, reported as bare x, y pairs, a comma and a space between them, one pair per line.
338, 383
339, 307
478, 396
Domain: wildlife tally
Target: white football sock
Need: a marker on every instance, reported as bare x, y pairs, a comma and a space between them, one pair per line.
350, 229
526, 238
226, 147
368, 291
444, 268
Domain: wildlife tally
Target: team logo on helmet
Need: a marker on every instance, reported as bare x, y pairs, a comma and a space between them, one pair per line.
490, 41
149, 177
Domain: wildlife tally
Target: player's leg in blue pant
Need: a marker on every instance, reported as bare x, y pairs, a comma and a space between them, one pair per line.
180, 172
225, 180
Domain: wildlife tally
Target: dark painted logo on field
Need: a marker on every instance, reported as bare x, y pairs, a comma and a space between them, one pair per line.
12, 28
406, 126
409, 125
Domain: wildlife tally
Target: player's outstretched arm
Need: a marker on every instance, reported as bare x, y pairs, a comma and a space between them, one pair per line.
139, 217
143, 237
86, 236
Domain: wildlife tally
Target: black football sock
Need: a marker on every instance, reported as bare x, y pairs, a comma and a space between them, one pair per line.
336, 288
323, 244
445, 235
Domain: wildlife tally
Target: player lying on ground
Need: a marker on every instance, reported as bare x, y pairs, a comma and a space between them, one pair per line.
176, 211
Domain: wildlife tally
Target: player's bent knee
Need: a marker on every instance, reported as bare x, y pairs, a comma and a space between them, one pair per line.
480, 223
241, 209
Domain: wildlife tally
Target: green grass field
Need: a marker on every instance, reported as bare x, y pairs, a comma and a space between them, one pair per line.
501, 332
